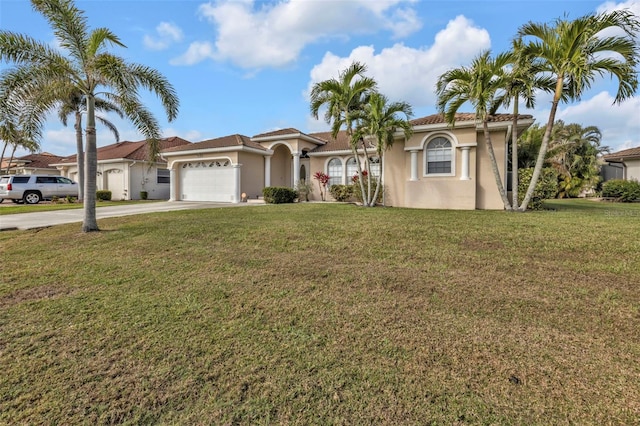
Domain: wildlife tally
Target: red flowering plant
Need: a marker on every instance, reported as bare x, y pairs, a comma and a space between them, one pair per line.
323, 180
355, 177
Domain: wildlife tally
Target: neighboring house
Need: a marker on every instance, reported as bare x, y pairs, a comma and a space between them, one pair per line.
33, 164
125, 170
438, 167
625, 164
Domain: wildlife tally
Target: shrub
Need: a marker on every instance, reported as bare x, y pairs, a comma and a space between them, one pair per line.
625, 191
144, 195
304, 188
546, 188
341, 192
55, 199
70, 199
103, 195
279, 195
357, 192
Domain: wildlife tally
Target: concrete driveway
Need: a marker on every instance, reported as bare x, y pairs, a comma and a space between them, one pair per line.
57, 217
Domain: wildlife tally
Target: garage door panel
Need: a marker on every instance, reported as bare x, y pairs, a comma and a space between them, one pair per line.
208, 181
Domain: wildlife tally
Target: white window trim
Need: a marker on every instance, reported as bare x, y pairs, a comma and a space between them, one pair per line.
454, 144
326, 169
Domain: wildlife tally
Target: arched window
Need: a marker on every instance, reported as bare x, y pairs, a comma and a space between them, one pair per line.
374, 164
334, 170
352, 169
439, 157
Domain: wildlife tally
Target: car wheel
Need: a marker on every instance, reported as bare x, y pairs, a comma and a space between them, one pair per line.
32, 198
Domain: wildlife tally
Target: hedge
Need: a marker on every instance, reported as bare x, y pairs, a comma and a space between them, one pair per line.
625, 191
103, 195
279, 195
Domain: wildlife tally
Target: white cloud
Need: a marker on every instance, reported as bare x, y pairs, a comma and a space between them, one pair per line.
619, 124
197, 52
410, 74
632, 5
166, 34
274, 35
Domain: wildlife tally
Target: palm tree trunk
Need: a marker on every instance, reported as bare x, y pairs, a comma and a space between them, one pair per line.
79, 155
514, 156
367, 167
4, 148
537, 170
494, 166
13, 153
90, 223
379, 181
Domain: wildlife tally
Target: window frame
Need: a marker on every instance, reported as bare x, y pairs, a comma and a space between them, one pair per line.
333, 179
166, 175
425, 158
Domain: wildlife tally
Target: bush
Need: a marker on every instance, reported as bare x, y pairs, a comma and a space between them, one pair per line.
279, 195
144, 195
103, 195
70, 199
546, 188
341, 192
357, 193
625, 191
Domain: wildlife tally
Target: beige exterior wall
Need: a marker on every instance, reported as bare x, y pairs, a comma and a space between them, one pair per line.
251, 174
488, 196
633, 169
125, 180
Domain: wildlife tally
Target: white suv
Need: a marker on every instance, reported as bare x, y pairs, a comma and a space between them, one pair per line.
32, 189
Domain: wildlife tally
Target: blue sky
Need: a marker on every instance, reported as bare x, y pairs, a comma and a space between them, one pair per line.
246, 66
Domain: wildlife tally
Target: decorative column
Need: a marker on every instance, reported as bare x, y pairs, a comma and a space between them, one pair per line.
236, 172
465, 162
414, 165
296, 168
267, 171
172, 184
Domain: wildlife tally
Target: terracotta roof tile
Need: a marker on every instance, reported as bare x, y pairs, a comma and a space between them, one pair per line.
35, 161
131, 150
465, 116
280, 132
624, 154
342, 144
222, 142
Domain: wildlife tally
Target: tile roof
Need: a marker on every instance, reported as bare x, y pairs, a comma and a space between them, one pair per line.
465, 116
222, 142
35, 161
341, 143
280, 132
137, 151
624, 154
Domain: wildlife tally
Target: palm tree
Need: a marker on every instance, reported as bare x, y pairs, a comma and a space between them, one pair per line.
75, 104
481, 84
343, 98
20, 125
378, 122
91, 70
574, 53
522, 82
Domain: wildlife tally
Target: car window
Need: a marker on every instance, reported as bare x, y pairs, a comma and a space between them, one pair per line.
4, 179
46, 179
21, 179
64, 180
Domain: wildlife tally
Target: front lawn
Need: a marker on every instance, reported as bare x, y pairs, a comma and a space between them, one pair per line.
10, 208
324, 314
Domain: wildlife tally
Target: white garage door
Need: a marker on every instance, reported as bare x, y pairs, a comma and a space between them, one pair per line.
208, 181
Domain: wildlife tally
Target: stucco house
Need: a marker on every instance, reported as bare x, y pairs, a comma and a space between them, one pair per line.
125, 170
438, 167
32, 164
626, 163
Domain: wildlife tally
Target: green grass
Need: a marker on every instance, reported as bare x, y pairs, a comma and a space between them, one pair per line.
325, 314
11, 208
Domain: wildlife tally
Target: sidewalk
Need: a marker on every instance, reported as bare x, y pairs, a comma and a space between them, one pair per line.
57, 217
